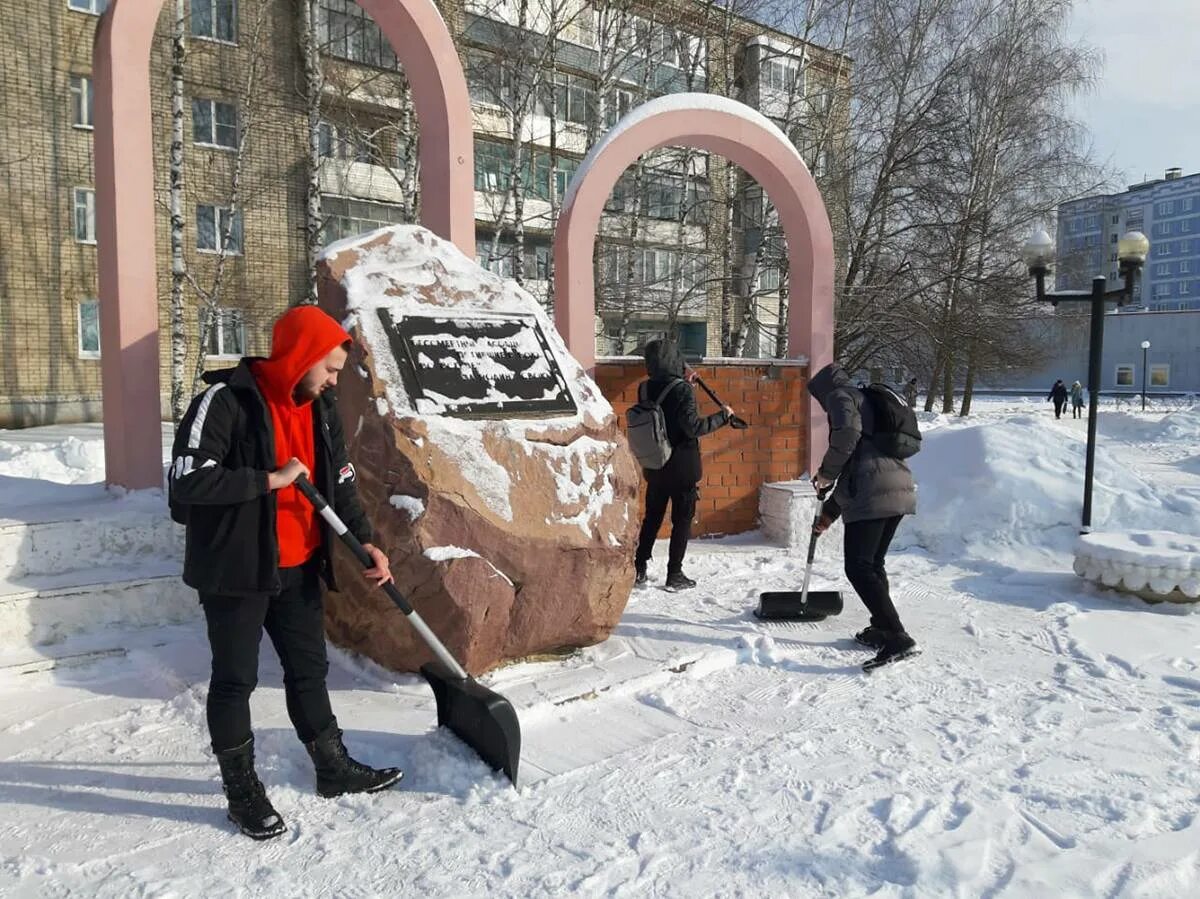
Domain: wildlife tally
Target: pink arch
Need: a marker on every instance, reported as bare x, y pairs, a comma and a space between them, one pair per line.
744, 136
125, 219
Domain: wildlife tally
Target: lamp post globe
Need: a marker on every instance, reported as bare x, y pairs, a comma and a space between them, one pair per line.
1038, 251
1133, 248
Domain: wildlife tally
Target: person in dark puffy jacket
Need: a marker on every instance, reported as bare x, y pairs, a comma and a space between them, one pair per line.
677, 481
1059, 394
873, 493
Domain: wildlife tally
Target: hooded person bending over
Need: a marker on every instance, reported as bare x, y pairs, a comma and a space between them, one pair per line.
256, 552
873, 493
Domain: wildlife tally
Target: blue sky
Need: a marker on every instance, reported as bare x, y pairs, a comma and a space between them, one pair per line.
1145, 112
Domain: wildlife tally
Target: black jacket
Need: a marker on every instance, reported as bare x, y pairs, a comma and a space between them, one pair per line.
222, 452
685, 426
1059, 392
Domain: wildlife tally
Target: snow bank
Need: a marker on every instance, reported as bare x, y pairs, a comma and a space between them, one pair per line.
987, 491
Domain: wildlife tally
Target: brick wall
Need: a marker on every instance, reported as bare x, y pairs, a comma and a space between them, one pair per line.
769, 396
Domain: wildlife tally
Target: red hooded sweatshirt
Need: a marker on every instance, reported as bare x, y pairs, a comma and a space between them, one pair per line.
303, 336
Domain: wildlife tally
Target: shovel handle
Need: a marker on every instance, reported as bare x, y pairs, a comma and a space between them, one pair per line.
339, 527
735, 421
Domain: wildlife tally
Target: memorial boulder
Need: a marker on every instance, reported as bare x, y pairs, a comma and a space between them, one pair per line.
491, 467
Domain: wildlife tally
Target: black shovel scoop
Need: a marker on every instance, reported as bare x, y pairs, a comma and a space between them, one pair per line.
482, 719
815, 605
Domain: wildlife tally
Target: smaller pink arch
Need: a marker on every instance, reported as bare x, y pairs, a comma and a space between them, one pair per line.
749, 139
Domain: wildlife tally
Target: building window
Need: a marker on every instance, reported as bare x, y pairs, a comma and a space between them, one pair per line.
1116, 219
85, 215
346, 31
1164, 248
1185, 287
1160, 375
493, 166
1187, 204
81, 101
489, 79
619, 102
350, 218
1184, 267
224, 335
95, 7
1162, 290
1185, 226
1162, 269
1124, 375
345, 142
214, 124
768, 279
215, 20
212, 223
89, 329
1167, 207
574, 99
781, 75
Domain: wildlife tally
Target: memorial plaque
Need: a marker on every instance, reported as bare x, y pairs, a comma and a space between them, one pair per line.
478, 365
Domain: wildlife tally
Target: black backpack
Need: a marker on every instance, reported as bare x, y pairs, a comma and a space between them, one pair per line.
646, 427
896, 432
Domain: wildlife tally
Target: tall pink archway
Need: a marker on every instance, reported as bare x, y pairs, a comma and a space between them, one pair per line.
744, 136
125, 215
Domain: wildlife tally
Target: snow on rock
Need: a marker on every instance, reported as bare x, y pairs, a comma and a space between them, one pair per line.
446, 553
543, 496
410, 505
1153, 564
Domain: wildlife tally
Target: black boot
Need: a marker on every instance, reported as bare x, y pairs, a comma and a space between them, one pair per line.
895, 649
677, 580
641, 577
873, 637
337, 773
249, 807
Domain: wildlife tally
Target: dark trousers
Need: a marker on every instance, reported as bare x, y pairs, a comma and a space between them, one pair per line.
294, 620
866, 545
1058, 408
1077, 410
682, 497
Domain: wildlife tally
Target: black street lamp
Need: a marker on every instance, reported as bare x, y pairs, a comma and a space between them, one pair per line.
1132, 250
1145, 349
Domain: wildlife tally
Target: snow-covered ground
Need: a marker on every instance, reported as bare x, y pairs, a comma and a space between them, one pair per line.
1047, 742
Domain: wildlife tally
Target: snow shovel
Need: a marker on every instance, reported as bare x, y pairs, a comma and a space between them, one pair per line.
814, 605
482, 719
735, 422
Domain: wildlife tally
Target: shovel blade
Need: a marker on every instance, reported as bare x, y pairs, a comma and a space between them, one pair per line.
481, 718
785, 605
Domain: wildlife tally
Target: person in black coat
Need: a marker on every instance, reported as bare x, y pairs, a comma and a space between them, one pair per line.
1060, 395
677, 481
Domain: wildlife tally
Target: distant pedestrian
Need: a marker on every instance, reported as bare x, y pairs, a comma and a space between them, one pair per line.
1077, 400
1059, 394
910, 393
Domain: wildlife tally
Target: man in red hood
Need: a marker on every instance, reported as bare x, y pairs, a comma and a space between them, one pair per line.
256, 551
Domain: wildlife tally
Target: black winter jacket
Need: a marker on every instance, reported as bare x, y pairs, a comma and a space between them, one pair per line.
664, 363
222, 453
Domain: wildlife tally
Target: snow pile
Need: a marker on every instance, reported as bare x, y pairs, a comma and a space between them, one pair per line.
69, 461
1181, 427
1157, 562
992, 491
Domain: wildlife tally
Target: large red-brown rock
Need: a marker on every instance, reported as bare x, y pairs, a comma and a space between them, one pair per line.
510, 535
